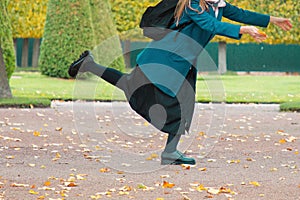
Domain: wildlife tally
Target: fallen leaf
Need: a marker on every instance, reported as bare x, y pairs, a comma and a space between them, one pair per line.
36, 133
282, 141
152, 156
142, 186
47, 183
19, 185
167, 184
225, 190
254, 183
125, 188
233, 161
186, 167
201, 188
211, 160
213, 191
58, 128
70, 184
10, 157
33, 192
202, 169
164, 176
104, 170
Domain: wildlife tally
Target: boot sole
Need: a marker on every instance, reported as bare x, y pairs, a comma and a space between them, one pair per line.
176, 162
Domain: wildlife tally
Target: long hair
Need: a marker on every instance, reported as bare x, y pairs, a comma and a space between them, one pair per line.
183, 4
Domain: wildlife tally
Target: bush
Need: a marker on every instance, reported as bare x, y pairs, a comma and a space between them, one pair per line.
67, 34
108, 50
27, 18
6, 40
69, 30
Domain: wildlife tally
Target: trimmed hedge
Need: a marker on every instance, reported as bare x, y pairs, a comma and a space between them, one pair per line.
6, 40
108, 50
72, 27
67, 34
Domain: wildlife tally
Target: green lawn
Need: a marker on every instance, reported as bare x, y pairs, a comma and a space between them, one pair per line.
232, 88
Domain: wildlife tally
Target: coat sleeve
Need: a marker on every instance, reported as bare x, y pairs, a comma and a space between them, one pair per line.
209, 23
244, 16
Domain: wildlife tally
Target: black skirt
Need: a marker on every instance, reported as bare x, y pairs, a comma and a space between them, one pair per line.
169, 114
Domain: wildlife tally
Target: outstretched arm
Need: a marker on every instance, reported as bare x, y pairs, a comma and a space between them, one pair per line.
284, 23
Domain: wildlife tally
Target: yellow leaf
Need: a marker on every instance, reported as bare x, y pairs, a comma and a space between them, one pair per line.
47, 183
213, 191
152, 156
36, 133
224, 190
202, 169
168, 185
254, 183
57, 155
104, 170
160, 199
19, 185
201, 188
10, 157
33, 192
282, 141
201, 133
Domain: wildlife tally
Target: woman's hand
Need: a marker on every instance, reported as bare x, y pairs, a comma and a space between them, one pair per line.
283, 23
254, 32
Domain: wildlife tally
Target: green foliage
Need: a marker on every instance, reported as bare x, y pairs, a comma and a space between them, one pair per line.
27, 17
72, 27
6, 40
127, 15
68, 33
108, 50
24, 103
278, 8
290, 106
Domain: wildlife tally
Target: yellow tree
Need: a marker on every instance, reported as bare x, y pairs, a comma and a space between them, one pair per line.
28, 19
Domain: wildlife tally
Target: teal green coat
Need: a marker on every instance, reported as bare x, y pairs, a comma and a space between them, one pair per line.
167, 62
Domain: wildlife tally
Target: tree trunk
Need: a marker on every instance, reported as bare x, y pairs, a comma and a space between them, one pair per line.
4, 86
222, 58
25, 52
36, 51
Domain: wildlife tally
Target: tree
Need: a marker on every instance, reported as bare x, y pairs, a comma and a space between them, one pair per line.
70, 29
127, 15
68, 32
28, 19
7, 57
106, 35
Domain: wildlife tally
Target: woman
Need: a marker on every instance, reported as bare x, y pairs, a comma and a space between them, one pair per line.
161, 88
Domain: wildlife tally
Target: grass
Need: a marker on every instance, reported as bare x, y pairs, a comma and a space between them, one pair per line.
34, 88
290, 106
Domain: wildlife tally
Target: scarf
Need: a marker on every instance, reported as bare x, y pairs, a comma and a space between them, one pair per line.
216, 4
